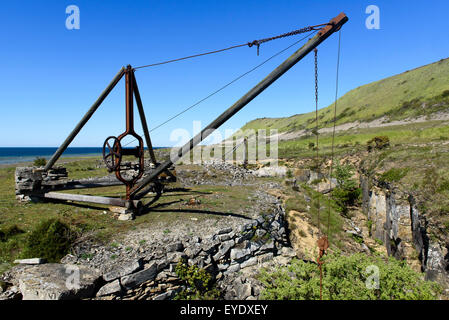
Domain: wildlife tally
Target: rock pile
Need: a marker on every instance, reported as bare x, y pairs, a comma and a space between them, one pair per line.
29, 179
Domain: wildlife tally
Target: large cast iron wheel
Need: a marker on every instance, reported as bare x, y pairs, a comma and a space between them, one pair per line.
112, 153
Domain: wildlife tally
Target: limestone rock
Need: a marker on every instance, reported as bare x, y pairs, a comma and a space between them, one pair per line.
243, 291
31, 261
110, 288
133, 280
57, 282
239, 254
123, 270
223, 249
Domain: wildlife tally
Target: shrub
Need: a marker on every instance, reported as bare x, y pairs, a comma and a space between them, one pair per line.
443, 186
345, 278
347, 191
8, 232
198, 282
40, 162
378, 143
394, 175
51, 240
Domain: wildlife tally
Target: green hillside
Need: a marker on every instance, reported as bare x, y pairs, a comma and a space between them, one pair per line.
417, 92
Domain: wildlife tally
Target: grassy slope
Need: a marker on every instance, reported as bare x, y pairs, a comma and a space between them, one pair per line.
398, 97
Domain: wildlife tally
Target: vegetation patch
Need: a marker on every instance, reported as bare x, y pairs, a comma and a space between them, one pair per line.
39, 162
318, 207
51, 240
347, 192
394, 175
348, 278
199, 283
378, 143
7, 233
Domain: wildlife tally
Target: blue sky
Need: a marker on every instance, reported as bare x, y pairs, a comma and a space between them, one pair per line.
52, 75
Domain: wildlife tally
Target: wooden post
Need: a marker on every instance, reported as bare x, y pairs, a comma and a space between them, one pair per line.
245, 152
334, 25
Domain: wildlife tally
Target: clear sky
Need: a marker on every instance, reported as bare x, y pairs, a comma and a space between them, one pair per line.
52, 75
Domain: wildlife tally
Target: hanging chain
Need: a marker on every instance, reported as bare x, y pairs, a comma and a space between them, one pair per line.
316, 131
284, 35
322, 242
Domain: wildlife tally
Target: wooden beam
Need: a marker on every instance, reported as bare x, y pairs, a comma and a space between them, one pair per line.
92, 199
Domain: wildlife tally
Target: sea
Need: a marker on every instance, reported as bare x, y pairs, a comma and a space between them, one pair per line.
11, 155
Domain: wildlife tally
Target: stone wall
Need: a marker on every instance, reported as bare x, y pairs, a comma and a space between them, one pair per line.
30, 180
224, 255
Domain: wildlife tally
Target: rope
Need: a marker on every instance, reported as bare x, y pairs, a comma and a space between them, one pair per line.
190, 57
249, 44
227, 85
235, 148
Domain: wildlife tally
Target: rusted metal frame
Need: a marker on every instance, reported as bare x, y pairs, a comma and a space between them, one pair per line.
83, 121
143, 120
129, 79
91, 199
334, 25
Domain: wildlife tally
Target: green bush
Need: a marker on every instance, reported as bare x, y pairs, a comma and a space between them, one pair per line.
347, 191
9, 232
11, 239
345, 278
393, 175
50, 240
378, 143
40, 162
198, 282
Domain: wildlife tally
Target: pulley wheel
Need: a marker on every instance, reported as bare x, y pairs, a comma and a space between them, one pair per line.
112, 153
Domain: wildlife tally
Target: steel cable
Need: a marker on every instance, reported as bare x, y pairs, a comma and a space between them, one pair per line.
228, 84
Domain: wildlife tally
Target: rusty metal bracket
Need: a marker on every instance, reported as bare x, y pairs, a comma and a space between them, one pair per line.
336, 22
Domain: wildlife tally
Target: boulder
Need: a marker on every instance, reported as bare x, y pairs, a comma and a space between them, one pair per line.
243, 291
133, 280
110, 288
239, 254
57, 282
123, 270
223, 249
